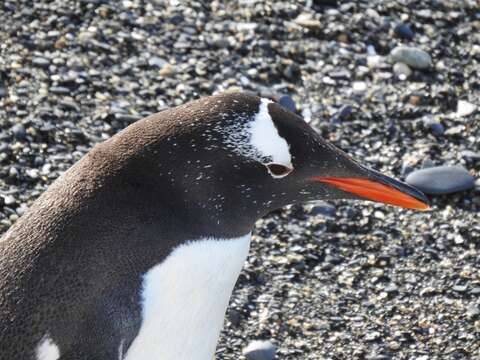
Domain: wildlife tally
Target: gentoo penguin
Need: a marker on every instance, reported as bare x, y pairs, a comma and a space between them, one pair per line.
132, 253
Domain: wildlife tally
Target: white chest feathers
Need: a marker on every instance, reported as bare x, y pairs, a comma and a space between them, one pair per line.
47, 349
185, 299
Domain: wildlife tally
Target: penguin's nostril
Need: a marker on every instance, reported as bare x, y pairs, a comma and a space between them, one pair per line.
278, 170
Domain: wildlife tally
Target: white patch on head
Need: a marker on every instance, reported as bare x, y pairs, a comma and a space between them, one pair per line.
47, 349
264, 137
185, 298
257, 138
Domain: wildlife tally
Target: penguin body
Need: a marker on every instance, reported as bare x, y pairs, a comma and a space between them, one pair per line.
133, 252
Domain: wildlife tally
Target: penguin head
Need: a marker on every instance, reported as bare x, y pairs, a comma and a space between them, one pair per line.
238, 156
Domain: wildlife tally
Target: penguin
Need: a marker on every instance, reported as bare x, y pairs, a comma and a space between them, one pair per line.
133, 253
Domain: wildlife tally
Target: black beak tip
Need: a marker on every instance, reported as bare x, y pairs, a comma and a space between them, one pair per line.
401, 186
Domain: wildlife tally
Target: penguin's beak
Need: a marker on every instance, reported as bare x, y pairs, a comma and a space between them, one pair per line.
380, 188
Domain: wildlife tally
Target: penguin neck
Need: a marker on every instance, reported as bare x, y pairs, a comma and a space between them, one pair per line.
184, 299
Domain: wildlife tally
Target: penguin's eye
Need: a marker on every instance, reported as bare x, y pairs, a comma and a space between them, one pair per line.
278, 170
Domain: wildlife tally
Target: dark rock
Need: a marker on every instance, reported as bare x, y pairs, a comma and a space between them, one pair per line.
19, 131
287, 102
345, 112
441, 179
41, 62
434, 125
404, 31
324, 209
177, 19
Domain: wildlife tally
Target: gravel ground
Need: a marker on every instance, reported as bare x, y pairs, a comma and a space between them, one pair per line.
324, 281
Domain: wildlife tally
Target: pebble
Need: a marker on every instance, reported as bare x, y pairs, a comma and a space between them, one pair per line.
434, 125
60, 90
413, 57
359, 86
157, 62
402, 70
345, 112
324, 209
441, 179
19, 131
404, 31
464, 108
167, 70
260, 350
287, 102
473, 311
460, 288
9, 200
307, 21
472, 156
41, 62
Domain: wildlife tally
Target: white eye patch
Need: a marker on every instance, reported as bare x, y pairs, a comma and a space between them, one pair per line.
266, 140
257, 138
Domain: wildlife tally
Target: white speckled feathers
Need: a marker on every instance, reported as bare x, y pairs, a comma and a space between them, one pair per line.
258, 139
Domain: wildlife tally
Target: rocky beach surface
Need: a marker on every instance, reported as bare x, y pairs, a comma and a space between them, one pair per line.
396, 84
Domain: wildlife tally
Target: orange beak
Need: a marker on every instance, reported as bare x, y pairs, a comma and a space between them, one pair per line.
384, 190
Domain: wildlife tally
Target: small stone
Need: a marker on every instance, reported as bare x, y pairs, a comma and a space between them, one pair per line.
85, 36
441, 179
167, 70
402, 70
60, 90
458, 239
359, 86
455, 130
19, 131
287, 102
324, 209
157, 62
404, 31
464, 108
344, 112
176, 19
460, 288
375, 61
41, 62
473, 311
434, 125
68, 105
415, 100
378, 357
392, 289
475, 290
129, 118
413, 57
372, 336
13, 172
260, 350
343, 38
9, 200
471, 156
307, 21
